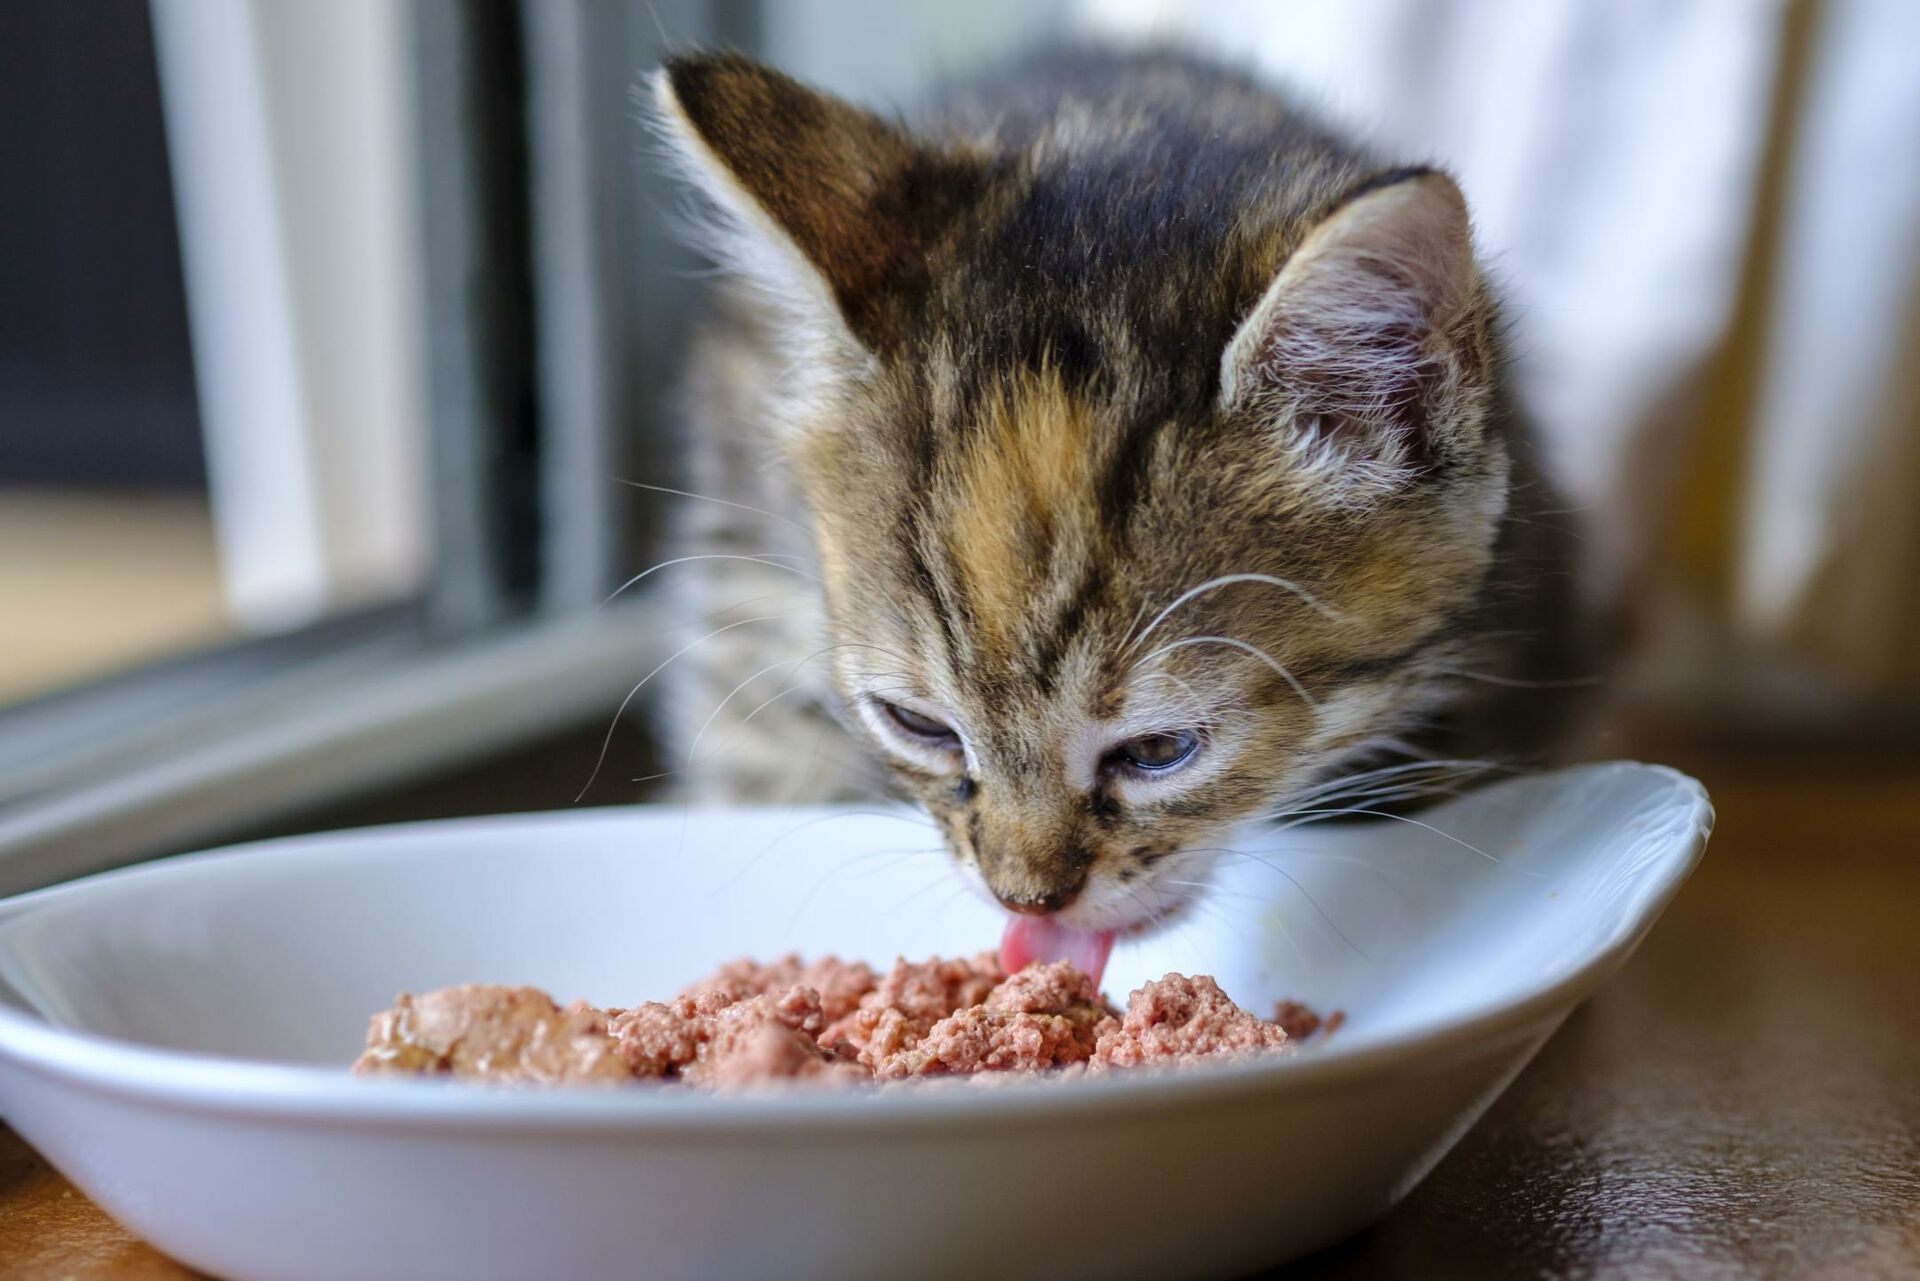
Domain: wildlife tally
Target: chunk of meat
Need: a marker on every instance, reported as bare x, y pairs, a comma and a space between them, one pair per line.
503, 1033
1302, 1021
1180, 1020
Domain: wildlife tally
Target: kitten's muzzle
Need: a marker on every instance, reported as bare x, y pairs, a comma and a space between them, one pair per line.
1033, 867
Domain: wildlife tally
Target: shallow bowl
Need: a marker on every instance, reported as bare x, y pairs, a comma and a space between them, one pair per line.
174, 1037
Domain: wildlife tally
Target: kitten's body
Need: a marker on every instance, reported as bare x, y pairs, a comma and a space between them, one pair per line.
1025, 444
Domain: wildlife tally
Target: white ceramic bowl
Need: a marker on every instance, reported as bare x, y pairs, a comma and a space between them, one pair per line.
174, 1039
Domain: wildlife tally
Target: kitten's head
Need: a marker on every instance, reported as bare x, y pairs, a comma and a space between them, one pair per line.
1148, 477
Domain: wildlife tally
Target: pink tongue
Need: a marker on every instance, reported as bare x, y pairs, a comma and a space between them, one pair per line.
1043, 939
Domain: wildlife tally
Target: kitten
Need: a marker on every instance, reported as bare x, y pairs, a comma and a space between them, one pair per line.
1132, 457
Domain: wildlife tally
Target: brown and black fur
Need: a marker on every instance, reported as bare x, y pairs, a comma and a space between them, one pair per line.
975, 376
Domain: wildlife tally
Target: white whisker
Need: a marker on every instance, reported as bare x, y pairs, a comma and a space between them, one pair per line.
766, 560
1194, 703
1514, 682
899, 856
1213, 584
1307, 816
804, 824
1292, 880
620, 711
796, 664
1236, 643
708, 498
1409, 767
1408, 781
721, 706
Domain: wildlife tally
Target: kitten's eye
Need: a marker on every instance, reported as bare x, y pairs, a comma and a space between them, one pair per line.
921, 726
1156, 753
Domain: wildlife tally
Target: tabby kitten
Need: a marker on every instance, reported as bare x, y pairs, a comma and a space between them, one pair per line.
1131, 456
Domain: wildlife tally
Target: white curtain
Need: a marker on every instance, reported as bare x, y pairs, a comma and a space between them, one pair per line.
1831, 535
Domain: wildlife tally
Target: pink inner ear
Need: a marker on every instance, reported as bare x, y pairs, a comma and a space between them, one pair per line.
1353, 338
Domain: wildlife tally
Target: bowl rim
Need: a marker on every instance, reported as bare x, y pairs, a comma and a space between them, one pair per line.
205, 1083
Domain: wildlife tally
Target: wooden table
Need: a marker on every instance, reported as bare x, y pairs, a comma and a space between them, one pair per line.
1744, 1100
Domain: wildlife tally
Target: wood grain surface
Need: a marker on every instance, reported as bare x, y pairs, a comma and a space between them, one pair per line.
1743, 1100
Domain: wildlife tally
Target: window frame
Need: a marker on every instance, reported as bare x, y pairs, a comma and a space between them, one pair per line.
542, 381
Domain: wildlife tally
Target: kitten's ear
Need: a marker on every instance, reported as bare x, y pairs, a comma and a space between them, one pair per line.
1361, 350
827, 206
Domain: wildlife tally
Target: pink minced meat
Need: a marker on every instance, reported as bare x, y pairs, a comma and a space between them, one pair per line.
1045, 1016
1180, 1020
900, 1009
828, 1021
715, 1039
840, 983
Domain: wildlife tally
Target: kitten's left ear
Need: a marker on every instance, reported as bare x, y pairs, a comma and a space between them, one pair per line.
828, 207
1360, 350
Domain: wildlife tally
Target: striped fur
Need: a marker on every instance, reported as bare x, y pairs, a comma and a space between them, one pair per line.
1115, 397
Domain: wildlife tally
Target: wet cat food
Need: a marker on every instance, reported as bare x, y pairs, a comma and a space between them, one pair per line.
827, 1021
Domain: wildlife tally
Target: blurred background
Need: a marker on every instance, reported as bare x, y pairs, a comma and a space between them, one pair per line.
331, 331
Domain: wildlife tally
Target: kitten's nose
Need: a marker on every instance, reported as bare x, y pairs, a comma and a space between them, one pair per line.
1044, 904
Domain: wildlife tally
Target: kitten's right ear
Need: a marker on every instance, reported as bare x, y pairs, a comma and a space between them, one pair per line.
828, 207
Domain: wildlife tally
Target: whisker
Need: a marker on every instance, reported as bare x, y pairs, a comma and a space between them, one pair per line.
1194, 949
1294, 881
1243, 646
1409, 777
1383, 791
947, 874
764, 704
766, 559
620, 711
708, 498
853, 765
1286, 934
1195, 703
721, 706
1406, 767
1213, 584
856, 764
796, 664
1390, 796
1514, 682
1324, 856
1247, 925
800, 907
961, 889
835, 817
899, 853
1318, 815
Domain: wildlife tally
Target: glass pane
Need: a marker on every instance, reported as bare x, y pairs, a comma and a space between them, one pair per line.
106, 537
